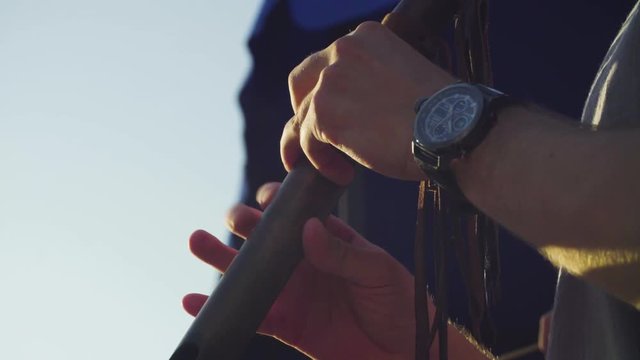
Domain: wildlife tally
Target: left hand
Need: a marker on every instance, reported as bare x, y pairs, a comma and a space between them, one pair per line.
357, 97
347, 299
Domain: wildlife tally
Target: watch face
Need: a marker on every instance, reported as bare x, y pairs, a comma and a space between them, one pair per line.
448, 116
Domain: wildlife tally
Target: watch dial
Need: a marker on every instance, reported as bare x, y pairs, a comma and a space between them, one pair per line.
450, 118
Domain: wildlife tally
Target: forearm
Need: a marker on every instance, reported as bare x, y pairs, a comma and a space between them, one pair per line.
570, 192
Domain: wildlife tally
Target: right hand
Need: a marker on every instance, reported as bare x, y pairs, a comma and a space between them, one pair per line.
348, 298
357, 97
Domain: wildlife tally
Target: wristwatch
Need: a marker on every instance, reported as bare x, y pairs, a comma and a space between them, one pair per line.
449, 125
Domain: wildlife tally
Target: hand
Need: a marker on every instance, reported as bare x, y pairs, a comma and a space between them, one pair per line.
348, 299
357, 96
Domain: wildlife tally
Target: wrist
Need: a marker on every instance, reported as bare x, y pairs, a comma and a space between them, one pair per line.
451, 124
475, 172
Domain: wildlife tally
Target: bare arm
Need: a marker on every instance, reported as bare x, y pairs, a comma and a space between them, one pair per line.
570, 192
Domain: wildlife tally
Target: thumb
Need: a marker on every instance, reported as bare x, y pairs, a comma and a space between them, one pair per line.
361, 265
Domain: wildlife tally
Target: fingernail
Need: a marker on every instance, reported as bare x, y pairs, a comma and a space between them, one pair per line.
230, 218
264, 193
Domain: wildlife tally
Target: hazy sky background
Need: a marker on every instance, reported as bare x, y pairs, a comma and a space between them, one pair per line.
119, 135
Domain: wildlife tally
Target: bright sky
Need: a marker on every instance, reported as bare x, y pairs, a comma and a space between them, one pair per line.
119, 135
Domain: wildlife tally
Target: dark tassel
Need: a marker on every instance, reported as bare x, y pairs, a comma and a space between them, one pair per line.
440, 252
476, 249
420, 279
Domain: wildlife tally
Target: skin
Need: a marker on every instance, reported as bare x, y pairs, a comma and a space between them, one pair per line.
324, 308
571, 193
348, 299
328, 121
356, 98
592, 230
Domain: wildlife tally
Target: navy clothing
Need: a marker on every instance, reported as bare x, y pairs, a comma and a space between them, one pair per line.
543, 51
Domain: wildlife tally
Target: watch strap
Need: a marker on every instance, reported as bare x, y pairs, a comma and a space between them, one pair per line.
436, 165
441, 175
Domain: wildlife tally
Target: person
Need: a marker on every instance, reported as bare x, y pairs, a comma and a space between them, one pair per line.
384, 207
292, 29
562, 179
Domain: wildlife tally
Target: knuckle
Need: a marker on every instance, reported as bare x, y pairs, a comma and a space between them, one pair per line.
330, 75
293, 125
293, 81
323, 124
349, 49
293, 77
368, 27
333, 83
321, 101
326, 101
344, 46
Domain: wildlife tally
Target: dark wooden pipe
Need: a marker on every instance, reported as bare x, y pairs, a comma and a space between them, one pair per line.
261, 269
234, 311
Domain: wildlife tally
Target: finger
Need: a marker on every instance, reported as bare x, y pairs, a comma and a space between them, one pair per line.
357, 264
290, 151
344, 232
266, 193
193, 303
303, 78
209, 249
329, 161
242, 219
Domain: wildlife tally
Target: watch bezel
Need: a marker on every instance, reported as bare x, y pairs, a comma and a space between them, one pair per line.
429, 105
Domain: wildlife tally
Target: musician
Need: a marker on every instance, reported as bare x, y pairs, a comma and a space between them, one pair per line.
568, 191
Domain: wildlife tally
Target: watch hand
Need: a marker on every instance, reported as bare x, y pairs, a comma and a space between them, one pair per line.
449, 119
453, 118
